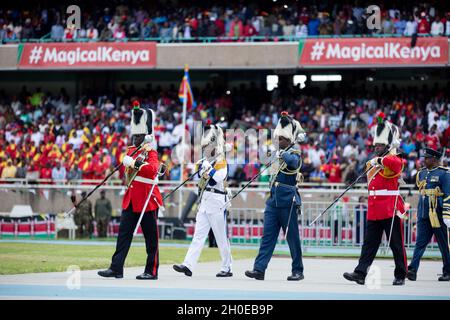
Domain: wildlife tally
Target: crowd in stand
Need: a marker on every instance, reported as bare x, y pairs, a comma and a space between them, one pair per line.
45, 136
117, 21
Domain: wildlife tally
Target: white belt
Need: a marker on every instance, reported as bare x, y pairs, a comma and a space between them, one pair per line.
144, 180
384, 192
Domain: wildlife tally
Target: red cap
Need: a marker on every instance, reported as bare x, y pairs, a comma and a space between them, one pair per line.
284, 113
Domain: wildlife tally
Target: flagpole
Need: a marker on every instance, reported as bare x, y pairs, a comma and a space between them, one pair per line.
183, 141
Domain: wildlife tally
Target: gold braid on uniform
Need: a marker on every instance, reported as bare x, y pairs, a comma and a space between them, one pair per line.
432, 195
284, 169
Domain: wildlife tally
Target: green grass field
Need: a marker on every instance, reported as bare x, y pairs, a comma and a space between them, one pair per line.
29, 257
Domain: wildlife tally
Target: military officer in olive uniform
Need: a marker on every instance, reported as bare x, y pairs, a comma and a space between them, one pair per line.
103, 212
433, 213
83, 217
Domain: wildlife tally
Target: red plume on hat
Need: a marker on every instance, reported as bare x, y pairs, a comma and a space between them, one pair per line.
136, 104
381, 117
284, 113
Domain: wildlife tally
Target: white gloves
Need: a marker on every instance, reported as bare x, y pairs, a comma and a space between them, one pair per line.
301, 137
374, 162
148, 142
447, 222
206, 167
128, 161
280, 153
149, 138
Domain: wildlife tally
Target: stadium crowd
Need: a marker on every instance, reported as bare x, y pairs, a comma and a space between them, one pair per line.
122, 20
46, 136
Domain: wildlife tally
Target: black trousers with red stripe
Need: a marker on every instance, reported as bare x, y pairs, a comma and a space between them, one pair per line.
372, 241
128, 222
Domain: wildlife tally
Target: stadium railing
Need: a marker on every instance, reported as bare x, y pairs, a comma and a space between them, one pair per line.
87, 183
47, 38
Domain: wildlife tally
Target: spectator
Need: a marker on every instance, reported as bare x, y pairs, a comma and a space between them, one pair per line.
387, 26
423, 26
437, 27
236, 28
27, 30
92, 33
447, 25
59, 172
57, 33
313, 26
119, 34
249, 29
411, 27
301, 30
9, 171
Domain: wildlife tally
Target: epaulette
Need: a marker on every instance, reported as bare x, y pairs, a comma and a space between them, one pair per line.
220, 164
444, 168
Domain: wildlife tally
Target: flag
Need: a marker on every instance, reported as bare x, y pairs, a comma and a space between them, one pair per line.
190, 104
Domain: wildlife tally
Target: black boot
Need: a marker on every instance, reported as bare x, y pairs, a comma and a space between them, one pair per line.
224, 274
398, 282
255, 274
110, 274
146, 276
297, 276
444, 277
183, 269
354, 276
411, 275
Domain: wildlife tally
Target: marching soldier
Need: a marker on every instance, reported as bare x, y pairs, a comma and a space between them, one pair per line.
212, 198
141, 170
433, 213
385, 204
282, 206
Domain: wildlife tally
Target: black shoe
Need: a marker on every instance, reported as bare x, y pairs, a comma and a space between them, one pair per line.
110, 274
296, 277
353, 276
183, 269
146, 276
258, 275
398, 282
444, 277
411, 275
224, 274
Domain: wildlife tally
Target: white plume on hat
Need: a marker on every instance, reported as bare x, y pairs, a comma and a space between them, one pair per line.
213, 135
289, 128
386, 133
142, 120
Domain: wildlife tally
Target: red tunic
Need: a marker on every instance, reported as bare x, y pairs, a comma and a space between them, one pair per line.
382, 206
138, 191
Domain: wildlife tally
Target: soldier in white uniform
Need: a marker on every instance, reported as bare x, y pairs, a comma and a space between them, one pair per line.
212, 197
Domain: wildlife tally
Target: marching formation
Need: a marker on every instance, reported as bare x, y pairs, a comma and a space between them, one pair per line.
386, 207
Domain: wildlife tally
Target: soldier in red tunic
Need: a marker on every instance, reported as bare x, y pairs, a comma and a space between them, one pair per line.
141, 170
385, 205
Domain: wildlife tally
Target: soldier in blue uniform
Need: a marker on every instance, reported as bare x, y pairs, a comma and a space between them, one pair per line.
284, 201
433, 213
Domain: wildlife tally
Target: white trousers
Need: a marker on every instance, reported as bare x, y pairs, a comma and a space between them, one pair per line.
207, 219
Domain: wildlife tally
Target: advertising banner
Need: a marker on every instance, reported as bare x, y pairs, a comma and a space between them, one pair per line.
373, 51
87, 55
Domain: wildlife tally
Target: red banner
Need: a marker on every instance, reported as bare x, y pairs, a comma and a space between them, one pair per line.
373, 51
79, 55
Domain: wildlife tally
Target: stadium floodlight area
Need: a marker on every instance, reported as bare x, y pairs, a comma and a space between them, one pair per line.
271, 82
300, 79
326, 77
